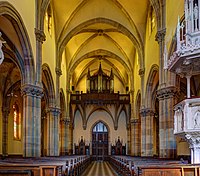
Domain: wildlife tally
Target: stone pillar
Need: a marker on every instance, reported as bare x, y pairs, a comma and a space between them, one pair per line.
53, 131
64, 137
40, 38
70, 137
167, 141
31, 120
5, 113
147, 123
136, 137
128, 152
160, 38
194, 142
188, 86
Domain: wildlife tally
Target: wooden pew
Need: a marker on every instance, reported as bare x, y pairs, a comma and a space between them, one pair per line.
159, 170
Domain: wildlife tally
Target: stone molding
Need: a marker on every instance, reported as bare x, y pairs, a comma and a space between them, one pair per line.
193, 139
166, 92
65, 121
147, 112
141, 71
58, 71
5, 111
160, 35
54, 110
32, 90
40, 35
135, 121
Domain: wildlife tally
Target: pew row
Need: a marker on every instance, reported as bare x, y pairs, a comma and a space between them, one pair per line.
138, 166
45, 166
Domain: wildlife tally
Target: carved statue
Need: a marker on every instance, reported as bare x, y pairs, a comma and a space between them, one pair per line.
1, 52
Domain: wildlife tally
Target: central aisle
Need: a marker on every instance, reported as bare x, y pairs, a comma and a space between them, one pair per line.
99, 168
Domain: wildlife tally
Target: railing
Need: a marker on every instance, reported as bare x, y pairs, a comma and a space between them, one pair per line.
94, 98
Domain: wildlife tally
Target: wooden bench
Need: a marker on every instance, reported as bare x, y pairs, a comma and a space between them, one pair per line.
187, 170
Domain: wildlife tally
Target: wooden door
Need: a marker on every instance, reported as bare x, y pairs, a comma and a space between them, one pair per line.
100, 142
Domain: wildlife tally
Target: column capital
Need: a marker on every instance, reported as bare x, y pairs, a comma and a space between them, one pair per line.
135, 121
32, 90
40, 35
65, 121
193, 139
58, 71
54, 110
146, 112
160, 35
166, 92
141, 71
5, 111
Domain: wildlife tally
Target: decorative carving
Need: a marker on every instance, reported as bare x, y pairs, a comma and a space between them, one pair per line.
54, 110
160, 35
167, 92
147, 112
40, 36
193, 139
58, 71
141, 71
32, 90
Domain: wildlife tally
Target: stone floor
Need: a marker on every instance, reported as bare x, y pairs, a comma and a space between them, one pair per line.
99, 168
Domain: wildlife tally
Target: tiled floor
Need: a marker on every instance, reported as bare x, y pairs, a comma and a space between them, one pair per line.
99, 168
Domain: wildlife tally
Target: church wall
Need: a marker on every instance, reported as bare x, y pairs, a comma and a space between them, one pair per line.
24, 8
49, 49
151, 51
63, 78
137, 79
15, 147
95, 117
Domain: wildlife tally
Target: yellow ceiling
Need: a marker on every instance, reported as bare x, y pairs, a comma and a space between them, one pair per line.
107, 31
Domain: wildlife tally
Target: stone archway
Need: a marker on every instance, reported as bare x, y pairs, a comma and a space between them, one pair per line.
100, 141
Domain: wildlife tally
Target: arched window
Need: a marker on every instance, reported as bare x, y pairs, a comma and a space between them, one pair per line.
16, 122
48, 18
152, 20
100, 127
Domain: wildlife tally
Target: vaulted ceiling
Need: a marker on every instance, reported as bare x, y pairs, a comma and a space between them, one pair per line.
108, 31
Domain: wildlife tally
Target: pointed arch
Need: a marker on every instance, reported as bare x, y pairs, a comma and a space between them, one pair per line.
48, 84
152, 83
100, 108
27, 62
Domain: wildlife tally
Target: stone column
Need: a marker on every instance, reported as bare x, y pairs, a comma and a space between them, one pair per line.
160, 38
136, 137
40, 38
31, 120
53, 131
5, 113
64, 137
194, 142
128, 152
147, 123
167, 141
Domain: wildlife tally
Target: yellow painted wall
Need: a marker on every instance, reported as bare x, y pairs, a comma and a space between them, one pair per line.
137, 79
151, 52
63, 77
15, 147
49, 53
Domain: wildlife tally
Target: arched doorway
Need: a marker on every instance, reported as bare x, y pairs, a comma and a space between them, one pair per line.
100, 141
